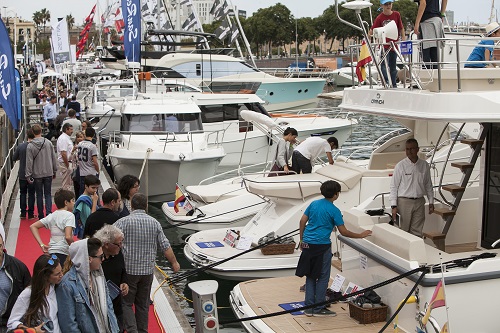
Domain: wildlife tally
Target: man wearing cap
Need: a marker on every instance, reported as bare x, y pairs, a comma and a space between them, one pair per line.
484, 51
410, 181
429, 25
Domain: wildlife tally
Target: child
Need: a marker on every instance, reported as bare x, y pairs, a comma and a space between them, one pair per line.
315, 260
382, 19
86, 203
484, 51
60, 223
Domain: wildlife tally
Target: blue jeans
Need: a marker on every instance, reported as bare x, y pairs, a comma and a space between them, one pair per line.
43, 187
316, 288
27, 191
391, 57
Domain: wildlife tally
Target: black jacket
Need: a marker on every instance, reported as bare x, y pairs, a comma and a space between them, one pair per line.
21, 278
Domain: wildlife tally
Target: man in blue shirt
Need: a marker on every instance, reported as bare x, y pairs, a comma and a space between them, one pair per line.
49, 115
316, 226
484, 51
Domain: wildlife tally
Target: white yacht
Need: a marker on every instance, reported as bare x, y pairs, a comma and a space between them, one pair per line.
165, 141
219, 112
223, 73
459, 244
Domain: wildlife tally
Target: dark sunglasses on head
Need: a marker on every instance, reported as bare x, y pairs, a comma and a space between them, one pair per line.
52, 260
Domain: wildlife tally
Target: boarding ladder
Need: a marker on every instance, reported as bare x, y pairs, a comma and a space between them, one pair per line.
448, 212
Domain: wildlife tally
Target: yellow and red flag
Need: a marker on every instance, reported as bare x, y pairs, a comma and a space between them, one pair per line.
437, 301
363, 59
179, 197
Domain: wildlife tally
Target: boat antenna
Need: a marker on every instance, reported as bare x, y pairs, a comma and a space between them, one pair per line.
492, 13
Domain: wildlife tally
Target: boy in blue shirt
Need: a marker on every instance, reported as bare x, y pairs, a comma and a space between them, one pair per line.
316, 226
484, 51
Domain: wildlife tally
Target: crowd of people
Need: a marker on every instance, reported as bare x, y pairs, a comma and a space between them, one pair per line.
95, 273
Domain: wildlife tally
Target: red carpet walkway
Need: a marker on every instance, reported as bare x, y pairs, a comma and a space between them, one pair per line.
28, 250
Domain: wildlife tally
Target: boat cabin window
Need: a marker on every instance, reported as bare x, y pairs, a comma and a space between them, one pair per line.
113, 92
225, 112
214, 69
161, 122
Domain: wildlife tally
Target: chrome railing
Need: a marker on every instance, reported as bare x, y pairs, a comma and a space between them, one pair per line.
453, 58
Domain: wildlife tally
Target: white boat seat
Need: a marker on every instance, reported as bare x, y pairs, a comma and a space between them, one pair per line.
343, 173
290, 187
399, 242
214, 192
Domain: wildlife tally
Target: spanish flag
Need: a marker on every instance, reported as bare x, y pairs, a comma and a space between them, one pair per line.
437, 301
179, 197
363, 59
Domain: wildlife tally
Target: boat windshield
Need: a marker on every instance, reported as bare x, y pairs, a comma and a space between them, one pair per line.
106, 92
162, 122
214, 69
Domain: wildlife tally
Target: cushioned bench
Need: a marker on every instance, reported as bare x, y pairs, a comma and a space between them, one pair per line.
388, 237
214, 192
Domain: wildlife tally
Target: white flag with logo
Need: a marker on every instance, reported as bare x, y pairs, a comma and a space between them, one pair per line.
60, 42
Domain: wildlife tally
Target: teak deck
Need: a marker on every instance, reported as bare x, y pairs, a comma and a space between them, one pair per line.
264, 295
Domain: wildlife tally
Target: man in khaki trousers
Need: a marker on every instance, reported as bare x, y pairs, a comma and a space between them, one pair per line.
410, 181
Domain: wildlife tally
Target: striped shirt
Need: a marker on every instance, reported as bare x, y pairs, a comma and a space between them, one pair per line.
143, 236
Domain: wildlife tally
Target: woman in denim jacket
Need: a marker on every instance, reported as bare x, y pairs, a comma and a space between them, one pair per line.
83, 296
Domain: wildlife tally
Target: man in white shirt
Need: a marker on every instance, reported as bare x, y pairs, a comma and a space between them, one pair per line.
410, 181
64, 149
309, 150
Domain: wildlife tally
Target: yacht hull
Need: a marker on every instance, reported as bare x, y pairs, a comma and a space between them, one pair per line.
161, 175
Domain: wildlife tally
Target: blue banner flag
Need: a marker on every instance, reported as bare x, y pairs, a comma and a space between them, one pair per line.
132, 34
8, 94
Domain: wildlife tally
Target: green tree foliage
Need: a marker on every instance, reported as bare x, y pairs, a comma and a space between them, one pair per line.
70, 20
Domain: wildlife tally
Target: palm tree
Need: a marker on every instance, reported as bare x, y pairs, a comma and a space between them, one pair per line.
45, 16
37, 20
70, 20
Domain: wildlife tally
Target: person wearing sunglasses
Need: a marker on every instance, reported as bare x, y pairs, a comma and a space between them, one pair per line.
83, 297
114, 266
36, 306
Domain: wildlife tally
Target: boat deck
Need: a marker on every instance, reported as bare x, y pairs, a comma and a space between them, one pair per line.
264, 295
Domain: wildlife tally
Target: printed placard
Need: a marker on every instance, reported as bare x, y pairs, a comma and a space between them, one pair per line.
337, 283
406, 47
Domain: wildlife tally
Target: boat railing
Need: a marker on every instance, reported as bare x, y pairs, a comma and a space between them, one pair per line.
238, 172
6, 181
418, 73
169, 137
302, 73
333, 112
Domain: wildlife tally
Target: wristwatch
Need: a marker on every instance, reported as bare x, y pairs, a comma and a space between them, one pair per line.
394, 207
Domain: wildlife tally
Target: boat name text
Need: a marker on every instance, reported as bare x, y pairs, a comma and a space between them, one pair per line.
377, 100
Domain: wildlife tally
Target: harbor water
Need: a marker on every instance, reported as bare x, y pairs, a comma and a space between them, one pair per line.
368, 130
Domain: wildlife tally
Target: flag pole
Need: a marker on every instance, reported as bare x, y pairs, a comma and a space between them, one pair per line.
245, 40
443, 267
